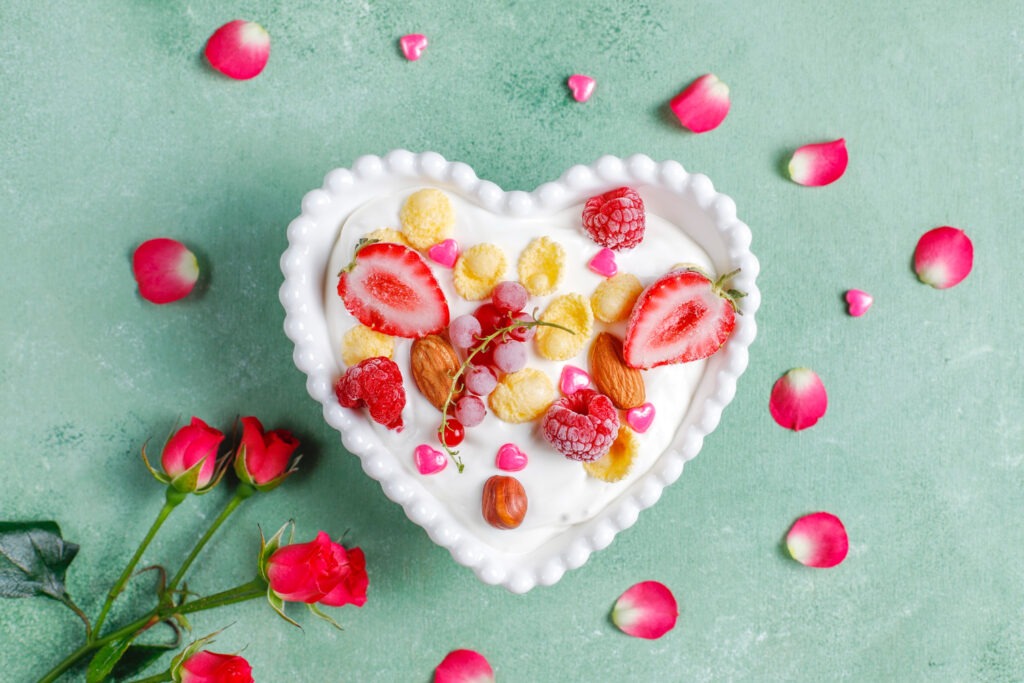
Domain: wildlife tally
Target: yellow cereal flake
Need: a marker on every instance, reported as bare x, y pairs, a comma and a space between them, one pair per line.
360, 343
478, 269
616, 463
613, 299
540, 266
522, 396
427, 218
387, 235
573, 312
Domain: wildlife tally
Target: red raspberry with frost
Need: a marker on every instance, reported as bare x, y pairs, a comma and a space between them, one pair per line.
377, 384
615, 219
581, 426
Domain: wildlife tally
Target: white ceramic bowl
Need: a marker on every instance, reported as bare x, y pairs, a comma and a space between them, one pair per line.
687, 200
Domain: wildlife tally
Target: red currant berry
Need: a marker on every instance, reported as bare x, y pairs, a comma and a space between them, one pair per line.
453, 433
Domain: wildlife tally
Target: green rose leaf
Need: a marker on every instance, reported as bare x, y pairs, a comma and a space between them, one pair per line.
137, 658
33, 560
104, 661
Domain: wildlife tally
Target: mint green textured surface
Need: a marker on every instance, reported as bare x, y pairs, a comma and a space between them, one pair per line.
114, 130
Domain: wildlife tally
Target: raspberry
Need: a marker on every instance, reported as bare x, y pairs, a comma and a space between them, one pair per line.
615, 219
377, 384
581, 426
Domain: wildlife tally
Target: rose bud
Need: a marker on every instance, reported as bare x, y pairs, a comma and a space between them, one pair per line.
189, 458
262, 457
320, 571
211, 667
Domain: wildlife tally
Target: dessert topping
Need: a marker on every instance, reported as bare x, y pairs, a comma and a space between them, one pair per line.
433, 362
573, 379
619, 382
522, 396
641, 417
582, 426
429, 460
571, 311
858, 302
360, 343
377, 384
477, 270
614, 298
413, 45
581, 87
427, 218
615, 219
510, 458
616, 463
603, 263
445, 253
540, 266
504, 502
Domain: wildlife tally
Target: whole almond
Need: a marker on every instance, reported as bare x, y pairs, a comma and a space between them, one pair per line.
434, 364
503, 502
622, 384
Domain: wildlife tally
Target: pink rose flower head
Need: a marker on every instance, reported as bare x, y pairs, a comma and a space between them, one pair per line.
703, 105
944, 257
798, 399
211, 667
189, 458
165, 270
263, 457
239, 49
819, 164
647, 610
320, 571
818, 540
464, 666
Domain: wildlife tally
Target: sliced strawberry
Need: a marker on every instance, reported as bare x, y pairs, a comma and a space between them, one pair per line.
389, 288
684, 316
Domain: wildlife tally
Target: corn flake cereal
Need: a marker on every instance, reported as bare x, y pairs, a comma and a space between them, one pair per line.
427, 218
540, 266
360, 343
573, 312
387, 235
477, 270
613, 299
616, 463
522, 396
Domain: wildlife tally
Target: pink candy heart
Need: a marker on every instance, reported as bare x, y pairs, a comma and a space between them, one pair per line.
640, 417
510, 458
429, 460
445, 253
582, 87
604, 263
413, 45
858, 302
573, 379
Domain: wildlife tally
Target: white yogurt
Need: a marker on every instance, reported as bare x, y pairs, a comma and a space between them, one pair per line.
560, 492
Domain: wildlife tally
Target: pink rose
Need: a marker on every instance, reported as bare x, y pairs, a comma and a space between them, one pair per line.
262, 459
319, 571
191, 445
211, 667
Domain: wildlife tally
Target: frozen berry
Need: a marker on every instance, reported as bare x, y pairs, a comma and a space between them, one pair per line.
470, 411
464, 331
615, 219
453, 433
522, 333
480, 380
377, 384
509, 296
490, 318
582, 426
510, 355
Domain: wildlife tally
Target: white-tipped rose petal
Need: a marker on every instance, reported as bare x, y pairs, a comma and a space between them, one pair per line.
703, 105
944, 256
798, 399
858, 302
464, 666
165, 270
819, 164
646, 610
239, 49
818, 540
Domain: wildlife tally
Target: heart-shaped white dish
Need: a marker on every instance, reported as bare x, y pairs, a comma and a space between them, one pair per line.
677, 202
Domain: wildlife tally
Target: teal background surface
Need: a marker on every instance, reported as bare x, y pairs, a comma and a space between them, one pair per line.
114, 130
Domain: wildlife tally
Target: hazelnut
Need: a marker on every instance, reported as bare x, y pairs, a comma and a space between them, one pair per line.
504, 502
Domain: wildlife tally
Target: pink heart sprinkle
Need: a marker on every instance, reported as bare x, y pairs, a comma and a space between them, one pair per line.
640, 417
429, 460
413, 45
445, 253
573, 379
604, 263
582, 87
858, 302
510, 458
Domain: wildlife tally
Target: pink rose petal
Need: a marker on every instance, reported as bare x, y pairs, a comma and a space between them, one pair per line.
464, 666
818, 540
573, 379
647, 610
640, 417
165, 270
239, 49
413, 45
604, 263
582, 87
510, 458
943, 257
429, 460
444, 253
703, 105
798, 399
858, 302
819, 164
